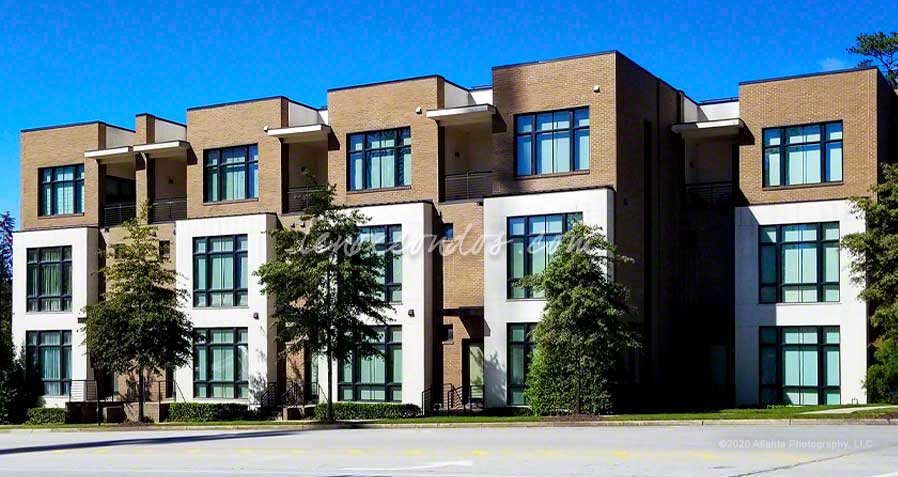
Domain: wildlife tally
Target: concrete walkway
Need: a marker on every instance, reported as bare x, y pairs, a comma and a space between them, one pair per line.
849, 410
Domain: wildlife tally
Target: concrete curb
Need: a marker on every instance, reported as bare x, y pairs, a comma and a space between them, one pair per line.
466, 425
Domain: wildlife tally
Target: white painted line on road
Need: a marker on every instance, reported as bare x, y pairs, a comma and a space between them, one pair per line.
435, 465
891, 474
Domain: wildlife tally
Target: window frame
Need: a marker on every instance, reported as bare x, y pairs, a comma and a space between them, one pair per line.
390, 251
65, 283
77, 194
567, 225
385, 349
207, 347
219, 167
821, 346
820, 243
397, 147
34, 367
236, 253
783, 146
528, 345
534, 133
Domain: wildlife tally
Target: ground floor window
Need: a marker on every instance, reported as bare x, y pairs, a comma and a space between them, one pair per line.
49, 360
377, 377
799, 365
221, 363
520, 348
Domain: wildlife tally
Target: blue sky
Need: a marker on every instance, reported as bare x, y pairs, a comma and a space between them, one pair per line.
77, 61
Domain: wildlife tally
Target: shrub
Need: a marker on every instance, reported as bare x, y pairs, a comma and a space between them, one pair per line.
207, 412
46, 415
882, 377
348, 411
15, 396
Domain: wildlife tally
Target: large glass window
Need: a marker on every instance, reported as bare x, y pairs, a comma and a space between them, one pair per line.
221, 363
49, 286
231, 173
520, 348
552, 142
799, 365
220, 271
48, 356
377, 377
531, 243
807, 154
380, 159
62, 190
387, 242
799, 263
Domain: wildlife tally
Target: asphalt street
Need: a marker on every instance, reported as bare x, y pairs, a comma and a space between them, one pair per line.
812, 450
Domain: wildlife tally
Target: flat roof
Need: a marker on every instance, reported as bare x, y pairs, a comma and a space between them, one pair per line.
72, 125
809, 75
253, 100
399, 80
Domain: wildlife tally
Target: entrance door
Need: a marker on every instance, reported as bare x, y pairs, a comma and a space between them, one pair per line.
472, 371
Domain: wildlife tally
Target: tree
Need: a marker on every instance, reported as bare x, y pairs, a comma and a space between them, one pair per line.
139, 326
7, 226
883, 49
584, 330
325, 283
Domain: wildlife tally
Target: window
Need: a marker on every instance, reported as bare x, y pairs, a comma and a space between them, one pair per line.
520, 347
48, 355
49, 285
220, 271
62, 190
377, 377
164, 249
799, 365
380, 159
232, 173
448, 232
551, 142
531, 243
808, 154
799, 263
387, 242
221, 363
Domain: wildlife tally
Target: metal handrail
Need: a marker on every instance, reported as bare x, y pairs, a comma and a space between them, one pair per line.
709, 195
426, 401
167, 210
299, 198
468, 185
117, 214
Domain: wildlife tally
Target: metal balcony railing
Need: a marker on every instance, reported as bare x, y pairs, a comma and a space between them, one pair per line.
709, 195
167, 210
299, 198
468, 185
117, 214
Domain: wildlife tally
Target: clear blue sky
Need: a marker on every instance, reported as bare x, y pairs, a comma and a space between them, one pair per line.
77, 61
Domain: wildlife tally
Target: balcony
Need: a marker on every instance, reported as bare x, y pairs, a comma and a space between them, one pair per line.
299, 198
117, 214
167, 210
468, 185
709, 195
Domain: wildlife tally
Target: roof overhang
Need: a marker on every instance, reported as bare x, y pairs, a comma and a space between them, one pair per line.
473, 114
714, 128
298, 134
161, 150
112, 155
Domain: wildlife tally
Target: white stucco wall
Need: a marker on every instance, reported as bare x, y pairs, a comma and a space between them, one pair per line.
849, 314
168, 131
597, 206
84, 291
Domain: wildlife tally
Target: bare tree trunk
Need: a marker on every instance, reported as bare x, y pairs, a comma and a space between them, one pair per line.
330, 387
140, 395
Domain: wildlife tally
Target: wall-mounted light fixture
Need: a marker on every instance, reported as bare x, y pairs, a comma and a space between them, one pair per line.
256, 315
596, 89
418, 110
411, 312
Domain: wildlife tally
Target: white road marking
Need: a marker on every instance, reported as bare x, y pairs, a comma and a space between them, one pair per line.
435, 465
890, 474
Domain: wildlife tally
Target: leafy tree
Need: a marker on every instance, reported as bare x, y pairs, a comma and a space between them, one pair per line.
7, 226
882, 377
584, 330
883, 49
139, 327
325, 283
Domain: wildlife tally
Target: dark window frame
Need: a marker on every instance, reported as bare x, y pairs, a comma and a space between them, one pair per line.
528, 253
207, 346
236, 253
221, 165
389, 385
783, 146
77, 200
534, 133
390, 251
33, 363
820, 242
397, 148
528, 345
821, 347
34, 297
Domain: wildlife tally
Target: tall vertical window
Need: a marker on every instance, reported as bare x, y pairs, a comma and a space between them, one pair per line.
221, 363
799, 263
532, 242
551, 142
220, 271
799, 365
520, 348
231, 173
380, 159
48, 356
62, 190
808, 154
49, 286
377, 377
387, 242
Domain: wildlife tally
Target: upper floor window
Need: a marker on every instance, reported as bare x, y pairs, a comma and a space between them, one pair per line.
380, 159
220, 271
49, 278
531, 243
387, 242
808, 154
62, 190
799, 263
231, 173
552, 142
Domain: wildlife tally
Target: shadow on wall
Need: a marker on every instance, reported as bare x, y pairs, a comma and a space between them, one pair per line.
493, 387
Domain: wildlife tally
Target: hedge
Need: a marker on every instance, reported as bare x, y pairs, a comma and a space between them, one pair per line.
207, 412
348, 411
46, 415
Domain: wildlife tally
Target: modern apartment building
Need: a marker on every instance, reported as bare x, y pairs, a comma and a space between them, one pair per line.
732, 211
